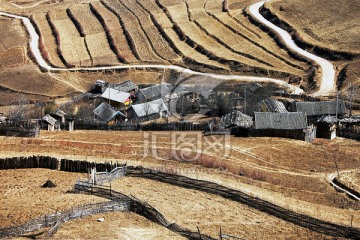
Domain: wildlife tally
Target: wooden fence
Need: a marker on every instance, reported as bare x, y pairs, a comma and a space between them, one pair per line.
348, 132
84, 166
55, 220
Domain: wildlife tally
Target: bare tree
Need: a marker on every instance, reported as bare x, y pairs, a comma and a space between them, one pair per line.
18, 112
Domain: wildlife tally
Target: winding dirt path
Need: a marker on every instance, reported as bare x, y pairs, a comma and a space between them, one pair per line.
327, 84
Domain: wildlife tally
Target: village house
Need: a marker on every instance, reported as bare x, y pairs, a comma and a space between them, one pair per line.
117, 99
153, 92
106, 113
126, 86
59, 115
147, 111
314, 110
271, 105
287, 125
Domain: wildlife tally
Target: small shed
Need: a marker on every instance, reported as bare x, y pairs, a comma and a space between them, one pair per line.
326, 127
148, 111
239, 123
106, 113
236, 119
52, 123
117, 99
59, 115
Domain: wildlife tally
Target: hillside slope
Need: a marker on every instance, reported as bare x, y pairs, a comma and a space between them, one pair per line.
329, 28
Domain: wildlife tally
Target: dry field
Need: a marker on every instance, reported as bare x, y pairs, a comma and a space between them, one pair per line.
289, 173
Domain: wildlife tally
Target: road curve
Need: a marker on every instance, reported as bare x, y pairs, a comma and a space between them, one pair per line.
327, 84
328, 75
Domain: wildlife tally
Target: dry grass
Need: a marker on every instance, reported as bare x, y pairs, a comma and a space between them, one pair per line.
331, 24
351, 179
283, 178
117, 225
71, 44
12, 34
115, 32
10, 58
47, 40
191, 208
24, 199
134, 32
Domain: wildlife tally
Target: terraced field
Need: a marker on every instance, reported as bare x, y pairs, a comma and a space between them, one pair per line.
188, 33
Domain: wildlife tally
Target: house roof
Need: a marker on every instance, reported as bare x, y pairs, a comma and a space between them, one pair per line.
59, 113
156, 91
320, 108
149, 108
49, 119
236, 118
290, 120
106, 112
125, 86
271, 105
115, 95
327, 119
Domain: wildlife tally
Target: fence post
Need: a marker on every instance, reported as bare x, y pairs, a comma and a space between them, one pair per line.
110, 190
199, 232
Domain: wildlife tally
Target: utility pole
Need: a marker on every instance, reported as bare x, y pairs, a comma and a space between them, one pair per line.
245, 103
337, 104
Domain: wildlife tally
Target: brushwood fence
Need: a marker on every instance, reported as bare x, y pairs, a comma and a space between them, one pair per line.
55, 220
141, 208
84, 166
62, 165
29, 162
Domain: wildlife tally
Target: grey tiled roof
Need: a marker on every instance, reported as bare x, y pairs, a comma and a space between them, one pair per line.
320, 108
115, 95
49, 119
156, 91
106, 112
236, 118
59, 113
270, 120
271, 105
125, 86
149, 108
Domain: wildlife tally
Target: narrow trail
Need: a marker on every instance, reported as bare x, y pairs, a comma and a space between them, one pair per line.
328, 72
